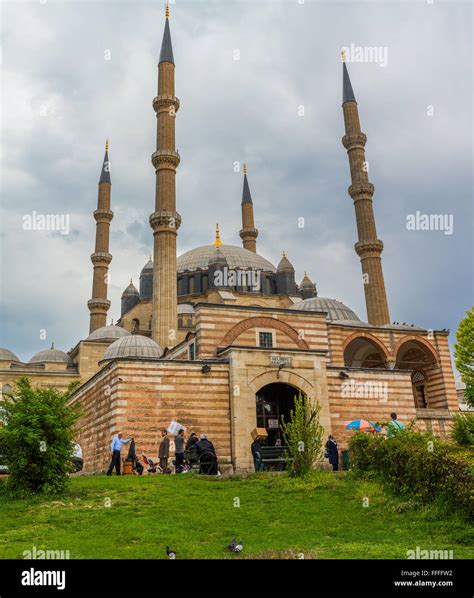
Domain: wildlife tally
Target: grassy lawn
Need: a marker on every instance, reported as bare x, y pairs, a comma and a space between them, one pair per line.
322, 517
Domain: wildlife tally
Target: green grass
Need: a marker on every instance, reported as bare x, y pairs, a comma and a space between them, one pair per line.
322, 517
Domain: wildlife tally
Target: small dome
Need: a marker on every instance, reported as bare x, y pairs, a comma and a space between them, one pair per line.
335, 309
148, 267
185, 308
131, 290
51, 355
106, 333
285, 265
133, 345
7, 355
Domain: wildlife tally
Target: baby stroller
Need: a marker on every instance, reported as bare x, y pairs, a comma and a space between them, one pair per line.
208, 463
152, 466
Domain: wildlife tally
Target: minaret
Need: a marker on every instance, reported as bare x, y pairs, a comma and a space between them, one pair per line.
368, 247
101, 258
165, 221
248, 232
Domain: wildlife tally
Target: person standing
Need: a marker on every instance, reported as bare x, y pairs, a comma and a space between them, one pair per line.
332, 452
394, 426
164, 451
179, 451
257, 457
116, 447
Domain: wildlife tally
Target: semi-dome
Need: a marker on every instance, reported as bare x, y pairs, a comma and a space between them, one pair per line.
7, 355
133, 345
51, 355
107, 333
336, 310
185, 308
236, 257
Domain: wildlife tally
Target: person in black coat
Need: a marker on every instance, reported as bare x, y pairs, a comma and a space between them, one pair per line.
192, 440
332, 452
206, 455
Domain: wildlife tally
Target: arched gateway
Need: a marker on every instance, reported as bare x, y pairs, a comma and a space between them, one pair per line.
273, 402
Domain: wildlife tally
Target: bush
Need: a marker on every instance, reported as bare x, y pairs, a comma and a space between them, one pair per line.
417, 465
304, 435
463, 429
37, 440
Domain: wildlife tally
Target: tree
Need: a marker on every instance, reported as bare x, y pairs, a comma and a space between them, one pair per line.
37, 440
464, 354
303, 435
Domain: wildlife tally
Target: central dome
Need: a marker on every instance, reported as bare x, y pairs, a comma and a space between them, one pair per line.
236, 257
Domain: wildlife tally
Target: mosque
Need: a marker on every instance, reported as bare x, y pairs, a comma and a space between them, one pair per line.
221, 340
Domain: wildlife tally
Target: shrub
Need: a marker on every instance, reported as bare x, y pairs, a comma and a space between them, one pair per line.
463, 429
417, 465
304, 435
37, 440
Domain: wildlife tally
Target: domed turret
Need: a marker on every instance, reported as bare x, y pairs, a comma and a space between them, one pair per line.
51, 356
130, 297
134, 345
286, 284
307, 287
146, 280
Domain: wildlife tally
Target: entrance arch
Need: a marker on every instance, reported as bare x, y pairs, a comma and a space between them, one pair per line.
274, 401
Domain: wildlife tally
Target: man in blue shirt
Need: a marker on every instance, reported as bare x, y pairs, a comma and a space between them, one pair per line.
394, 426
115, 447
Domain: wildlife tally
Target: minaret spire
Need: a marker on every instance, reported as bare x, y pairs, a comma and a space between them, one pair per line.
99, 304
165, 220
248, 233
368, 247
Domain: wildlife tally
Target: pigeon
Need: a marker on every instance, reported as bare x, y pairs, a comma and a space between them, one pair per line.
235, 546
171, 553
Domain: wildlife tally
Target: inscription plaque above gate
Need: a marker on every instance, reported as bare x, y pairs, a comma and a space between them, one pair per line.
280, 360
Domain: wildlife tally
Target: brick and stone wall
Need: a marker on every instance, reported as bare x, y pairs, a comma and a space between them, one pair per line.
140, 397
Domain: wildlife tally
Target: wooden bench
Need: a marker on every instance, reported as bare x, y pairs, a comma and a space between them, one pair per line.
274, 457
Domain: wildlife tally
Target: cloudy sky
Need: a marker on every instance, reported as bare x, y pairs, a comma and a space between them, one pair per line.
258, 81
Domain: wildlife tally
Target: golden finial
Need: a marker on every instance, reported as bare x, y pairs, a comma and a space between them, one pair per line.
245, 167
218, 241
131, 281
106, 145
167, 10
305, 274
284, 254
343, 55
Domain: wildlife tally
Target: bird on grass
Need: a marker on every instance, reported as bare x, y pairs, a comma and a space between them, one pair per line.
171, 553
235, 546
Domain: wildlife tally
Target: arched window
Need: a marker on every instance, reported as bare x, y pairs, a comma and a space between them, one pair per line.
192, 284
135, 324
180, 286
205, 283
